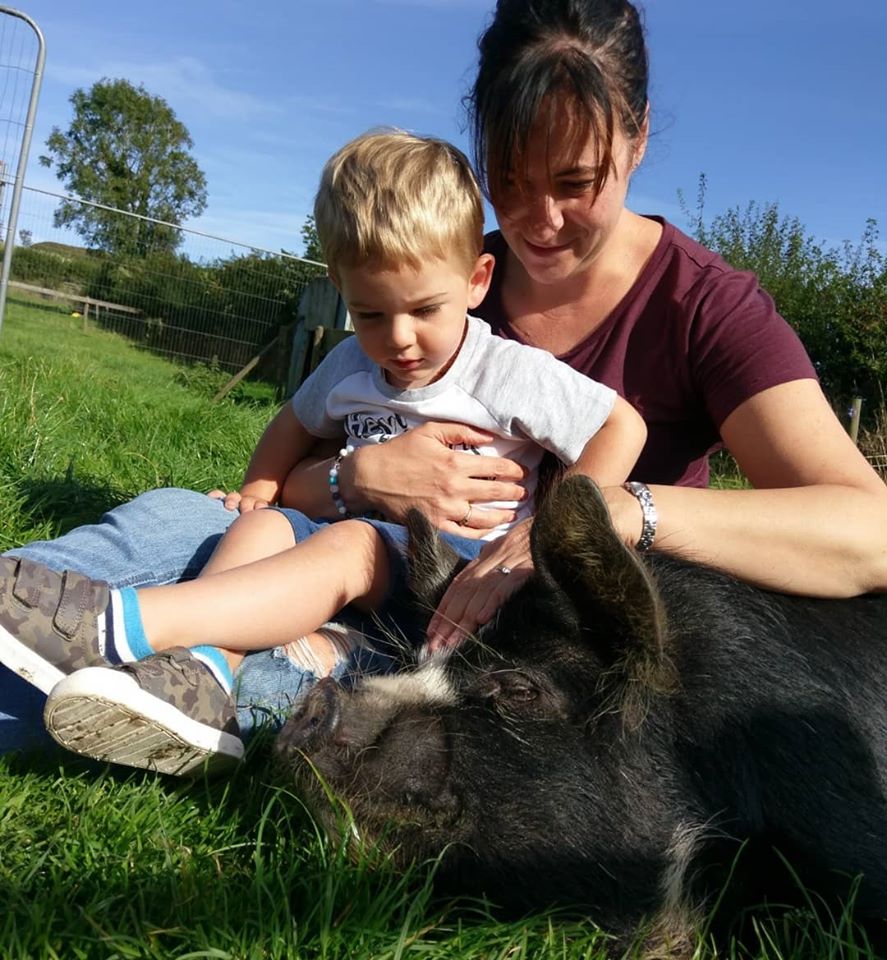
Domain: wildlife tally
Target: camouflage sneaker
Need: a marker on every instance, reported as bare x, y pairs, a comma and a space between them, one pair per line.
165, 713
48, 622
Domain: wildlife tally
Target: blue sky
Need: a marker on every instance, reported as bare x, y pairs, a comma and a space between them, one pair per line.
775, 100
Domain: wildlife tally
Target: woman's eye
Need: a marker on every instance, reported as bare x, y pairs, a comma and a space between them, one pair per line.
576, 186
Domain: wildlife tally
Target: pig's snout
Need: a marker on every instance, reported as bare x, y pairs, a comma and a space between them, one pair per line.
313, 720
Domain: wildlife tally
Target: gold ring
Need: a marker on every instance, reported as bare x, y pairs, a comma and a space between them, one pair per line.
464, 521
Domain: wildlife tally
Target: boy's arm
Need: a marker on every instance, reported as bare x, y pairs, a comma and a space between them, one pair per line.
610, 454
284, 443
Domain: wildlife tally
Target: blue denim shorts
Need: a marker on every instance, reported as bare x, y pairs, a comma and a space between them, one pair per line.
397, 620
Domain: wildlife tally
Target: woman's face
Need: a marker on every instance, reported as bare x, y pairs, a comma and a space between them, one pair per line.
551, 218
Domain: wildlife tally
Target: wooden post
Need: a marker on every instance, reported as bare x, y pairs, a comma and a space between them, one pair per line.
855, 412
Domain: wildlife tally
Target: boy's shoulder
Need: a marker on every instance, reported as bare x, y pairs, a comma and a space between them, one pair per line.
507, 370
490, 346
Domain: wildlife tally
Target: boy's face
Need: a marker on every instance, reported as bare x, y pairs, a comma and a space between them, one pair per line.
411, 322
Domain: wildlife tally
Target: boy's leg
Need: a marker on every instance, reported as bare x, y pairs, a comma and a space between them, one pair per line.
255, 536
165, 712
272, 600
52, 624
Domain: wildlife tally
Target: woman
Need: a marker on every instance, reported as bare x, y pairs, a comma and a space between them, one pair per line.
560, 116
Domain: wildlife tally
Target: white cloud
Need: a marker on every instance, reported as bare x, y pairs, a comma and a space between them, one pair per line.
179, 80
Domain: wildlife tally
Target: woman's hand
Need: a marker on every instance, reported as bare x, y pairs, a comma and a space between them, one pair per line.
481, 588
420, 469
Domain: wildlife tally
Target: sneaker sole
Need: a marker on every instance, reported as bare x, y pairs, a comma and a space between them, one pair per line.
27, 664
106, 715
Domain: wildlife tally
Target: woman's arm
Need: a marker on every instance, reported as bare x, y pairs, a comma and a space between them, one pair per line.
416, 469
816, 522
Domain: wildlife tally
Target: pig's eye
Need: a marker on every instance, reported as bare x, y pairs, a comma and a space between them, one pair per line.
507, 688
519, 691
514, 694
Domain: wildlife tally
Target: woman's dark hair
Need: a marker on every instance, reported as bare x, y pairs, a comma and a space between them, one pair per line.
539, 54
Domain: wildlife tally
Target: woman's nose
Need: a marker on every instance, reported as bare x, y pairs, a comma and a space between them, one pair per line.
543, 210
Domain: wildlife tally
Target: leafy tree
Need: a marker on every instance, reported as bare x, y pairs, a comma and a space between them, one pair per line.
312, 249
125, 149
836, 299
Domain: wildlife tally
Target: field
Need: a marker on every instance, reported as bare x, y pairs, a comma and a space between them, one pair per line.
101, 863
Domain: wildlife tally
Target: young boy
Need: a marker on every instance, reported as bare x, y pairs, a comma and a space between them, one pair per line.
130, 676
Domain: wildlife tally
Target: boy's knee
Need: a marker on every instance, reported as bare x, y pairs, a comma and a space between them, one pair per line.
258, 522
356, 533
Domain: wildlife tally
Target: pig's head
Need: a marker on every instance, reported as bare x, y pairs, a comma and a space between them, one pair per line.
520, 760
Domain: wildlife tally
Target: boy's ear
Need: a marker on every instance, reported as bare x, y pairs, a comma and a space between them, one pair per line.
480, 279
334, 280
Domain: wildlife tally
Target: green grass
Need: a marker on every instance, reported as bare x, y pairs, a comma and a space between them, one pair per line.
87, 421
101, 863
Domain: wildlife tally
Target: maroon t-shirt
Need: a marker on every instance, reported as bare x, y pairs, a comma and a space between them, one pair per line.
690, 341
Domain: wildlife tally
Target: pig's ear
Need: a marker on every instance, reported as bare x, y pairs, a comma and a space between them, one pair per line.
575, 546
433, 563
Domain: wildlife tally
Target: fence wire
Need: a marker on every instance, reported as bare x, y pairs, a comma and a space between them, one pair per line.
214, 300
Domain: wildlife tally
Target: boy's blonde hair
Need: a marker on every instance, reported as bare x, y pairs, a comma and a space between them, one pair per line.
391, 198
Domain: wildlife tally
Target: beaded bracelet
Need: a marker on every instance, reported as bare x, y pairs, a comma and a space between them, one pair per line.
338, 502
644, 496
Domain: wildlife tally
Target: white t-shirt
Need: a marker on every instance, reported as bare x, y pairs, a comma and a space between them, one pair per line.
527, 398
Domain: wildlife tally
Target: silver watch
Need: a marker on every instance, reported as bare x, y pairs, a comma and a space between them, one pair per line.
642, 493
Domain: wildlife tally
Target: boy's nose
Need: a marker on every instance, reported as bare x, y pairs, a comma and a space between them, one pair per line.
401, 333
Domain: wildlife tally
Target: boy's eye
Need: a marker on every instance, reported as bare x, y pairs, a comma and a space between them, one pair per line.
427, 310
364, 315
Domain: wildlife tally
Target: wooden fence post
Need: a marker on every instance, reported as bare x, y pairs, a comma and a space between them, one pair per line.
855, 412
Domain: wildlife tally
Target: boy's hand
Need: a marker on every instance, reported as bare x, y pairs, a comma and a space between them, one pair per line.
478, 591
237, 501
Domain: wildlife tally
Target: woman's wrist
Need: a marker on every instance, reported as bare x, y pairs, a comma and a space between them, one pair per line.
625, 514
649, 515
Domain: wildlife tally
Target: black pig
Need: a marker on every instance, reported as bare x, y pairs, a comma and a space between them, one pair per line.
624, 737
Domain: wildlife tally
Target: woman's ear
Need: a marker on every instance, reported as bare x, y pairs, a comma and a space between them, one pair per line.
480, 279
639, 144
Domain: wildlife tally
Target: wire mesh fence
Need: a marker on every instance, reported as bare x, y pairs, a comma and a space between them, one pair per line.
22, 58
18, 53
213, 300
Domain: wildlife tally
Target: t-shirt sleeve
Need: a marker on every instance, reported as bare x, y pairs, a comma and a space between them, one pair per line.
533, 394
309, 401
740, 345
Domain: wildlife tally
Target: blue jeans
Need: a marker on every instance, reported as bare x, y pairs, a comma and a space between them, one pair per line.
159, 537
